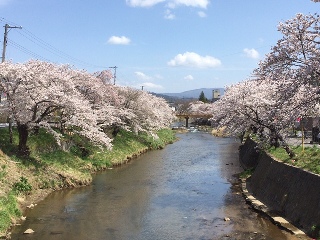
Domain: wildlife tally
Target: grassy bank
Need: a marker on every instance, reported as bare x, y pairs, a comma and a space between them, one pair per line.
27, 180
307, 158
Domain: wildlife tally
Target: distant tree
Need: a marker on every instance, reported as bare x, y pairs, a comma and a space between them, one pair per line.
200, 108
182, 105
202, 97
105, 76
144, 112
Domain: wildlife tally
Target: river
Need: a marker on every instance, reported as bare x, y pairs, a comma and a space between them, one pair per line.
185, 191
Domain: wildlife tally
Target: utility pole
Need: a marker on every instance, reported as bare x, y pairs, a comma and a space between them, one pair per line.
7, 27
5, 39
114, 75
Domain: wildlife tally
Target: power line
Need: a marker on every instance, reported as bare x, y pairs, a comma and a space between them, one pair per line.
2, 19
48, 47
26, 51
41, 43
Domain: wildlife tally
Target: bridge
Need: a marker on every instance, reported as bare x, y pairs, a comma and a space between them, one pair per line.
192, 115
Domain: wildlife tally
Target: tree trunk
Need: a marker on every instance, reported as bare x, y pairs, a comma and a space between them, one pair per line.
116, 130
10, 132
9, 120
286, 147
276, 138
23, 149
36, 130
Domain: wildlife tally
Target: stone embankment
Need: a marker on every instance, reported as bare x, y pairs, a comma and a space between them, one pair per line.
286, 193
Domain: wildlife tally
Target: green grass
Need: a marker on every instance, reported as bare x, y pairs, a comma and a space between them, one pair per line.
3, 172
127, 145
82, 154
8, 210
82, 157
246, 173
308, 159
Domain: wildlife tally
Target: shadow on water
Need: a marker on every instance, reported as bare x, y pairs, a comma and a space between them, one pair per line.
184, 191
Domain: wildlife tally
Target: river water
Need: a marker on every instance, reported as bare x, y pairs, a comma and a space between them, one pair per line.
184, 191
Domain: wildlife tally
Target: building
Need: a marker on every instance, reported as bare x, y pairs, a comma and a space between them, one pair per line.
216, 95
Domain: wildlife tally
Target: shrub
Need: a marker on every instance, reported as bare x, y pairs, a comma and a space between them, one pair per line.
22, 186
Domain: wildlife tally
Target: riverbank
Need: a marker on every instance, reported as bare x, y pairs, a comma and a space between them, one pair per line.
284, 192
188, 190
24, 182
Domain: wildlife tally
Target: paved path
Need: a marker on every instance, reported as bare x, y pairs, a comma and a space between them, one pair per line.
297, 141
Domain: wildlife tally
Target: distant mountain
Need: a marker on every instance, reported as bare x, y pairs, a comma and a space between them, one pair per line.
192, 93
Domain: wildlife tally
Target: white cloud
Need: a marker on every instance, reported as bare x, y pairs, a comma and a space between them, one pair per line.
143, 3
251, 53
169, 15
170, 3
119, 40
189, 77
188, 3
202, 14
150, 85
191, 59
142, 76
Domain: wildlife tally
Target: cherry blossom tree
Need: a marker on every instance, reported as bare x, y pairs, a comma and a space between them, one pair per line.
146, 113
297, 55
105, 76
200, 108
102, 96
39, 93
260, 105
296, 59
182, 105
285, 87
42, 94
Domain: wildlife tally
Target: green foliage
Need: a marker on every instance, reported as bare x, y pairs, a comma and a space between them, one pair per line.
8, 210
246, 173
3, 172
279, 153
127, 145
42, 142
167, 136
6, 147
307, 158
315, 231
202, 97
22, 186
81, 153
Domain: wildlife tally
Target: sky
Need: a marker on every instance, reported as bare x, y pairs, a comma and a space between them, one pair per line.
166, 46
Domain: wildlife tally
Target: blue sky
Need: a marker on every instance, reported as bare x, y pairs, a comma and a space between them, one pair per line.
163, 45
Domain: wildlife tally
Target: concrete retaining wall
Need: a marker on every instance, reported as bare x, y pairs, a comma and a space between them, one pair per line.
249, 154
288, 191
